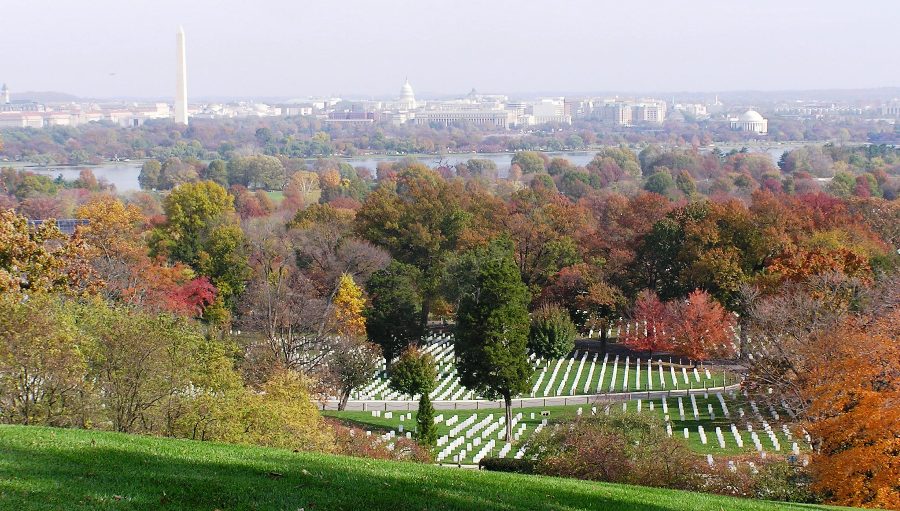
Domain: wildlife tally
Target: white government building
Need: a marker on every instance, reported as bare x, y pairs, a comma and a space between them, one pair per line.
752, 121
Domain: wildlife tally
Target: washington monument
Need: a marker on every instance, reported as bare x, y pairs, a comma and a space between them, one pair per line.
181, 110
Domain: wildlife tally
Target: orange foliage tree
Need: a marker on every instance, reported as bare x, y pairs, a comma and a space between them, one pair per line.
854, 413
701, 327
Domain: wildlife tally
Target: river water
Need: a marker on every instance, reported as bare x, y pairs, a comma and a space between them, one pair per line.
124, 175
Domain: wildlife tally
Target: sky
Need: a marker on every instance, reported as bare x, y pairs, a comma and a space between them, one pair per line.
366, 48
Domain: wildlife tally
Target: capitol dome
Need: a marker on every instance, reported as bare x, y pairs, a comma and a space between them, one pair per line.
407, 96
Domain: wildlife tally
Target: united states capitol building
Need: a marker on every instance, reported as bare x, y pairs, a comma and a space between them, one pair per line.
497, 110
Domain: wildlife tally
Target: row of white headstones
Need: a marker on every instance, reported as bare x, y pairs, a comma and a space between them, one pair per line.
467, 435
449, 387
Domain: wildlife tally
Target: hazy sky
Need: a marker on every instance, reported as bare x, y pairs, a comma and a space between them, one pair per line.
296, 48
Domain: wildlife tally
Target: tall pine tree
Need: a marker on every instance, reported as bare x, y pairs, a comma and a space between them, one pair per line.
492, 327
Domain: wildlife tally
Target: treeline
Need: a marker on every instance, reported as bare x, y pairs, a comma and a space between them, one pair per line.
306, 137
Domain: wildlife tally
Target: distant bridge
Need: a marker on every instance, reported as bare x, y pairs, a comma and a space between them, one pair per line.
65, 225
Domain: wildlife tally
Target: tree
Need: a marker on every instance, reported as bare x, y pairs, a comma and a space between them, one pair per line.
140, 362
651, 330
853, 413
202, 230
217, 172
42, 364
348, 308
42, 259
591, 300
660, 182
355, 360
149, 176
552, 333
414, 373
419, 219
352, 365
393, 316
701, 328
492, 327
530, 162
266, 172
542, 226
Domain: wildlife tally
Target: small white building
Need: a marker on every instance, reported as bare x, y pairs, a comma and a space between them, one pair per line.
751, 121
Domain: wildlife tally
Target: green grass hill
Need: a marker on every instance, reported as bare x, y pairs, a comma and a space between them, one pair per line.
66, 469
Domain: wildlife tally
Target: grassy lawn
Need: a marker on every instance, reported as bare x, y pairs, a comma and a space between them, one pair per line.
51, 469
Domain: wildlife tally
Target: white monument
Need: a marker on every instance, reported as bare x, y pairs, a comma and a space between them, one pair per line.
181, 111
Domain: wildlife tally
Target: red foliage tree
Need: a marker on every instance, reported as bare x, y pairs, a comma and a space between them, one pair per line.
653, 332
701, 327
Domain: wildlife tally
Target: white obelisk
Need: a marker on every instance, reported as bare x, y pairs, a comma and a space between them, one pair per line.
181, 110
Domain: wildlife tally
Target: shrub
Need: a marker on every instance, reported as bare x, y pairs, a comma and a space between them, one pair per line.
520, 466
619, 448
552, 333
355, 442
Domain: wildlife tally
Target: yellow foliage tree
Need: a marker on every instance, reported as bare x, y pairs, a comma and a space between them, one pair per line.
348, 308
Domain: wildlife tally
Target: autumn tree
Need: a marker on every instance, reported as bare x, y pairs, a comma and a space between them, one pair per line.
348, 308
42, 259
542, 225
42, 362
853, 413
418, 219
415, 374
202, 231
492, 327
650, 321
355, 360
592, 302
701, 327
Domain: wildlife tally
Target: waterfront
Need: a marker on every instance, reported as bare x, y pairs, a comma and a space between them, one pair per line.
124, 175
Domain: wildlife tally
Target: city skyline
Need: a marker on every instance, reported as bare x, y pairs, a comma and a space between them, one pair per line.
363, 51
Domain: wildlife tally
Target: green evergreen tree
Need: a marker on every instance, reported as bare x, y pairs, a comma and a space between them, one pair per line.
395, 307
415, 373
492, 327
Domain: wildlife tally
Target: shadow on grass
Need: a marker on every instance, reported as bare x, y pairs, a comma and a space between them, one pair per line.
60, 469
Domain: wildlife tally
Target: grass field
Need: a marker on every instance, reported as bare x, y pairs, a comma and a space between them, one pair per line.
53, 469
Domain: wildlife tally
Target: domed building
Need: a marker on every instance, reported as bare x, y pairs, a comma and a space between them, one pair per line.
407, 97
750, 120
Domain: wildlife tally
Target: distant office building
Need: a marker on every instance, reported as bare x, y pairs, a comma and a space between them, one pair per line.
631, 112
4, 92
751, 121
549, 110
891, 109
354, 118
496, 118
650, 112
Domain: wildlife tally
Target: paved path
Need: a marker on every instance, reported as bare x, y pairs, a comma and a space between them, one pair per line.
535, 402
